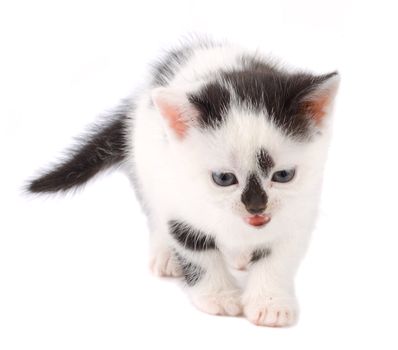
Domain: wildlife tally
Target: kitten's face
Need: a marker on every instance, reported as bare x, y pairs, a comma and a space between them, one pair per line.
250, 169
253, 142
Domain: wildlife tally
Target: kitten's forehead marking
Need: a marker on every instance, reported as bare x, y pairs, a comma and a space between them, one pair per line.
264, 161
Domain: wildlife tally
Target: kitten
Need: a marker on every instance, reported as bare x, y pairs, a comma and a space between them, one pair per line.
226, 153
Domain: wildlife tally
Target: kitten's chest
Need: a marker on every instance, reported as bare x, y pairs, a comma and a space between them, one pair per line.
237, 259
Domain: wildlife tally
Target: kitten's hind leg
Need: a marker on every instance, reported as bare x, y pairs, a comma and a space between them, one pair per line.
163, 262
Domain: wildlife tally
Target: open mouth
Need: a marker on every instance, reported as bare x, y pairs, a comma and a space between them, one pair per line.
258, 220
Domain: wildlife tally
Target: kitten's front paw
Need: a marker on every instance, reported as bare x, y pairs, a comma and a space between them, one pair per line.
164, 264
271, 311
221, 303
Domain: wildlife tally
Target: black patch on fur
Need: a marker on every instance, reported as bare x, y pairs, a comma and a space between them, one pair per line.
265, 161
259, 254
192, 272
99, 150
266, 89
191, 238
253, 196
212, 102
257, 83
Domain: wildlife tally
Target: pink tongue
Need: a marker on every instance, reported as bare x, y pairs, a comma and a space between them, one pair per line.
258, 220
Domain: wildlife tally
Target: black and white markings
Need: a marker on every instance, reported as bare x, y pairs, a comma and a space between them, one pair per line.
259, 254
101, 148
192, 272
194, 241
212, 103
191, 238
265, 162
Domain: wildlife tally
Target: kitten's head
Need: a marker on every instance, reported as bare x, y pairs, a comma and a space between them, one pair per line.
255, 140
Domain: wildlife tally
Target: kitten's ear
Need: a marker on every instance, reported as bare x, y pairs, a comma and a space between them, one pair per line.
317, 101
175, 108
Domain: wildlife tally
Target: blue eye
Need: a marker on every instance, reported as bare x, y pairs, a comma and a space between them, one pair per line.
283, 176
224, 179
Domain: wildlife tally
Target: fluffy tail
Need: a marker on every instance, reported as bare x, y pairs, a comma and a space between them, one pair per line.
103, 147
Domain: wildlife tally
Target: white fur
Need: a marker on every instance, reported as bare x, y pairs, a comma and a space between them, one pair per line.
174, 180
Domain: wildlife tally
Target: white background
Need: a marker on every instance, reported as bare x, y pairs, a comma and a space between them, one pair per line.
73, 270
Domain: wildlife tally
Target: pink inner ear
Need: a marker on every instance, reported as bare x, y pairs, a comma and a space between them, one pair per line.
316, 107
174, 117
